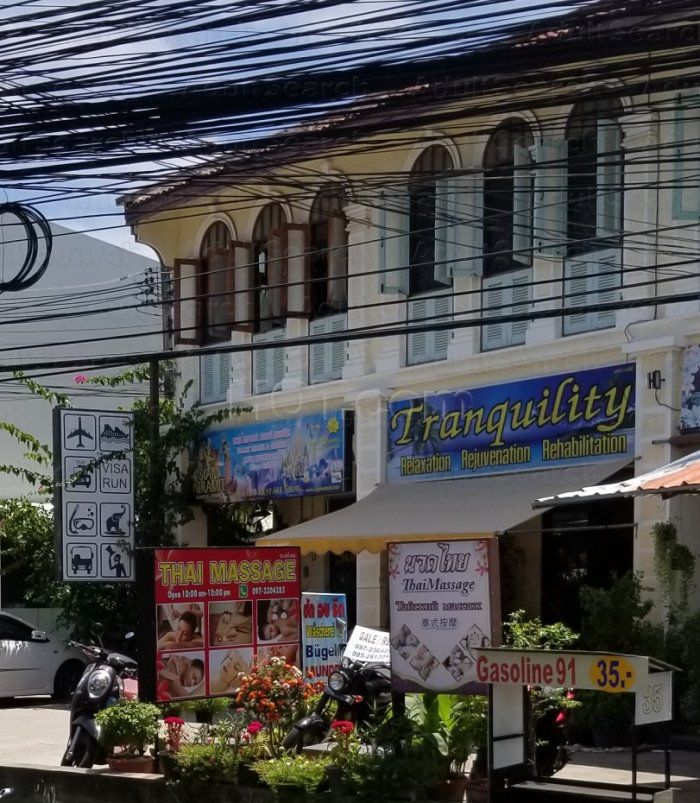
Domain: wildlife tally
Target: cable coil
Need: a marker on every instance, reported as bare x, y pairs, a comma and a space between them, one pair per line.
36, 227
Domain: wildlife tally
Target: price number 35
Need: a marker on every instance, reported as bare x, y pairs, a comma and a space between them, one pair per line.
612, 674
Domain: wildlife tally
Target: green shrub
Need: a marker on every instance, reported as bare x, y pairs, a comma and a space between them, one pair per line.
207, 762
130, 725
293, 770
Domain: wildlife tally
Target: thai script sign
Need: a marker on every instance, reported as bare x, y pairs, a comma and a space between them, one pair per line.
323, 633
577, 417
94, 494
443, 605
218, 609
274, 459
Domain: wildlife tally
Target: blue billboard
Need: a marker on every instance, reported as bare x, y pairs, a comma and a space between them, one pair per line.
545, 422
274, 459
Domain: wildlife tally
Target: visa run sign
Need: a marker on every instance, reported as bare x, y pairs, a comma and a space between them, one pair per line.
545, 422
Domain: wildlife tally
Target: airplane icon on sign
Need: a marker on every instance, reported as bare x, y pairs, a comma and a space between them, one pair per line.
79, 433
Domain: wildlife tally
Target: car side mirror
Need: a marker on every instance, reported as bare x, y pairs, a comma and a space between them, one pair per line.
39, 635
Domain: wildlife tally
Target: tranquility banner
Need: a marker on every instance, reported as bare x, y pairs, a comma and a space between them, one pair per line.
545, 422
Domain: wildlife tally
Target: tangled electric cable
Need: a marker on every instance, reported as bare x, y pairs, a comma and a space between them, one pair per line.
36, 226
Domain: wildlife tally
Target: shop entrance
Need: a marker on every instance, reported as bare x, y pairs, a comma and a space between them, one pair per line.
342, 576
583, 544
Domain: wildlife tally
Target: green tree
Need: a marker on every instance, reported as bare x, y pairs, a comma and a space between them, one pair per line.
163, 501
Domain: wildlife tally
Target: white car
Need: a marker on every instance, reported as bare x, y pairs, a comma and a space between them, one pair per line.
33, 662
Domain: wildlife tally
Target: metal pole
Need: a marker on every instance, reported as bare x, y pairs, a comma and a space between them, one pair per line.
155, 479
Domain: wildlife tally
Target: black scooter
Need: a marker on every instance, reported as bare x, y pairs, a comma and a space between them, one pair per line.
362, 693
109, 676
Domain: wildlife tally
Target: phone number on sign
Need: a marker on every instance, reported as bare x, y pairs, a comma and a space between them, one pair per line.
269, 590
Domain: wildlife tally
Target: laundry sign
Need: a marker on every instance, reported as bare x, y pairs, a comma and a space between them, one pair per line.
94, 495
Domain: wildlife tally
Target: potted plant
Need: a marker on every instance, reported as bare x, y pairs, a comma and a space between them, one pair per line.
293, 775
174, 737
207, 762
346, 745
128, 728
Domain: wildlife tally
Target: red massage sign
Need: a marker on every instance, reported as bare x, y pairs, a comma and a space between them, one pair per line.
580, 670
218, 609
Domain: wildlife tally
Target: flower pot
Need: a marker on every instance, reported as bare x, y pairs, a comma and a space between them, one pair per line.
168, 765
289, 792
132, 763
203, 717
247, 776
449, 789
336, 781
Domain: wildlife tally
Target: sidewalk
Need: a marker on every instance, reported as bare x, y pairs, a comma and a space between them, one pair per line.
34, 731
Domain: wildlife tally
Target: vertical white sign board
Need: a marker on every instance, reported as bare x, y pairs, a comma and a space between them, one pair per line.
94, 496
653, 702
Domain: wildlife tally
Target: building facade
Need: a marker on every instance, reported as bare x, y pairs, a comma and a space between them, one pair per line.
539, 250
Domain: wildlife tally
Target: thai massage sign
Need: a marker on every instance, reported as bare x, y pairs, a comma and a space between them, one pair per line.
578, 417
217, 609
274, 459
444, 603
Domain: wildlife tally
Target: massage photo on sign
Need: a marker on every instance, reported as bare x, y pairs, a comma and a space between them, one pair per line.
278, 620
180, 626
230, 623
180, 675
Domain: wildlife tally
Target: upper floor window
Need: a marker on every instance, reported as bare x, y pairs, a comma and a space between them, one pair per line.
215, 266
328, 291
269, 268
427, 220
508, 198
594, 203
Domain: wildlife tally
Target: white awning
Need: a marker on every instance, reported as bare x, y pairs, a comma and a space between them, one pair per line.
680, 476
441, 509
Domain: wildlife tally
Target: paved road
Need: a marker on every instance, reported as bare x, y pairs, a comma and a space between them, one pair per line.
33, 731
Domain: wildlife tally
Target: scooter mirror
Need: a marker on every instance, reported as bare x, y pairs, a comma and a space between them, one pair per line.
130, 635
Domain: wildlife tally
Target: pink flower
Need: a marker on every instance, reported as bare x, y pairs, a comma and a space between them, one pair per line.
80, 379
254, 727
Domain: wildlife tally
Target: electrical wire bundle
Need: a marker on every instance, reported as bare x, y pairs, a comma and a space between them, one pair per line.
38, 234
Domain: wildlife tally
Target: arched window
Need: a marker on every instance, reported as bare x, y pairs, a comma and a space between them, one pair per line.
270, 275
594, 195
427, 210
329, 253
508, 198
215, 266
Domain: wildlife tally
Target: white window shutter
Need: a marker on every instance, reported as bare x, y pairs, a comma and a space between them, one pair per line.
504, 295
588, 282
551, 167
686, 164
496, 299
224, 375
444, 230
522, 205
609, 179
469, 226
428, 346
441, 337
393, 240
269, 363
326, 360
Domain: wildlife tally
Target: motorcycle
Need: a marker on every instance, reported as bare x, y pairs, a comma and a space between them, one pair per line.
362, 692
108, 676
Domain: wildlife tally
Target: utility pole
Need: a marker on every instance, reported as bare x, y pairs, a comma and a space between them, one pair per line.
155, 462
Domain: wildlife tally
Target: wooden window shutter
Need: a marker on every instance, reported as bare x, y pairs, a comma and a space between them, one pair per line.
337, 263
277, 272
187, 308
298, 269
243, 280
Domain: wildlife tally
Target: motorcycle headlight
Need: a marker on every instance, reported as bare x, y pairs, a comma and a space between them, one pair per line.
100, 681
337, 681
